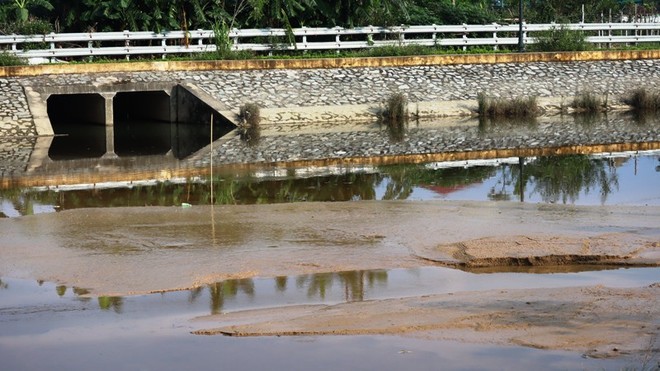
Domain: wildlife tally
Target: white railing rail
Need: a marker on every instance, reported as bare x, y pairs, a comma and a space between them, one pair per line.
127, 43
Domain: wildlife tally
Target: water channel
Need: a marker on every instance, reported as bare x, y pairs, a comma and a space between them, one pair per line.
46, 325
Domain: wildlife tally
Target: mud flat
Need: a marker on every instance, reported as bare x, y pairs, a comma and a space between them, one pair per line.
596, 321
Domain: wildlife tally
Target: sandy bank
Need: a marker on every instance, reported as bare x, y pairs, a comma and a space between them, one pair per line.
596, 321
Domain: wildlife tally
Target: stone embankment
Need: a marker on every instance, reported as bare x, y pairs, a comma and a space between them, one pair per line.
455, 142
296, 95
293, 99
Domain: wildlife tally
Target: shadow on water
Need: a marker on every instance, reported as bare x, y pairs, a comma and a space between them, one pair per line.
132, 138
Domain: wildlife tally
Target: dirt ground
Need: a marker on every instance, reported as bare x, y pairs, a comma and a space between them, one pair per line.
123, 251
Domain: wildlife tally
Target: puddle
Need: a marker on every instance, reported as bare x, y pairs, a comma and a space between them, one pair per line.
153, 331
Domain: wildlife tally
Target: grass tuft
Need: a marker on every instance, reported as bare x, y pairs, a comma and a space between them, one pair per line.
395, 116
643, 100
249, 127
588, 102
9, 59
497, 108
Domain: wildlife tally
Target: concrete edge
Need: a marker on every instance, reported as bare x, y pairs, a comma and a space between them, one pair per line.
369, 113
38, 107
256, 64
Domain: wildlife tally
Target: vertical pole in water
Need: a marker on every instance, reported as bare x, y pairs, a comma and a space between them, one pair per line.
212, 201
211, 164
521, 164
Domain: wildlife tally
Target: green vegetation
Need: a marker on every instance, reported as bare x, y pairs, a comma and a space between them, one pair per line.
395, 116
563, 178
164, 15
8, 59
496, 108
561, 39
644, 101
44, 16
249, 127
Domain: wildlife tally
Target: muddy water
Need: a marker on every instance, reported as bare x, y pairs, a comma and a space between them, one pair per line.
74, 331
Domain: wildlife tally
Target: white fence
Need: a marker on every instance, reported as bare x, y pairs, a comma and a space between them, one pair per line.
126, 44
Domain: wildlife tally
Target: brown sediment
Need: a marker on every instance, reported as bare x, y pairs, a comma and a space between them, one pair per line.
597, 321
544, 250
124, 251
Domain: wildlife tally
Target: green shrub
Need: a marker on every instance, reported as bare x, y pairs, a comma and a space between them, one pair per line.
9, 59
588, 102
560, 39
30, 27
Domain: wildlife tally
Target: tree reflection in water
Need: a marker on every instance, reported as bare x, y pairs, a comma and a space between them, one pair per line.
553, 178
564, 178
352, 282
221, 291
115, 303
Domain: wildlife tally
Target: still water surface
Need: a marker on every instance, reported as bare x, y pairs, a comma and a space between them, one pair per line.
48, 326
45, 325
616, 179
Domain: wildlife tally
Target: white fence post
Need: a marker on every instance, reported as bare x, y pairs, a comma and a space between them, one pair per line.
92, 44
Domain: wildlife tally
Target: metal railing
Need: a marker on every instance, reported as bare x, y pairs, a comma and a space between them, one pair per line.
127, 43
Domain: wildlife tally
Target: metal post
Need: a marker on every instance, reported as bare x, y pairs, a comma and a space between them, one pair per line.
521, 42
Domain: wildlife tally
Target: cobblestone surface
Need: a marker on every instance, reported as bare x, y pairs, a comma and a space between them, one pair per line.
546, 132
344, 86
15, 117
15, 155
348, 86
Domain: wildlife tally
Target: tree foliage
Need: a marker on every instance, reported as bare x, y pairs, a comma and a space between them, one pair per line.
163, 15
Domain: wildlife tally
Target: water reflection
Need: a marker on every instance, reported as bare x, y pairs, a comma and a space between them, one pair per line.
563, 179
115, 303
353, 286
574, 179
221, 291
352, 283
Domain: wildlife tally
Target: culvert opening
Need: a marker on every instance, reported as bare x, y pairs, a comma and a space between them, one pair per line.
133, 123
78, 121
142, 124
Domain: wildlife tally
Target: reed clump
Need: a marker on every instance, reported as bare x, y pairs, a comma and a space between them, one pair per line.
643, 100
250, 124
589, 102
499, 108
395, 115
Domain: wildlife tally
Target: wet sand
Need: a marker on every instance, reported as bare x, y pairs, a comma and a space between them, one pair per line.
123, 251
587, 319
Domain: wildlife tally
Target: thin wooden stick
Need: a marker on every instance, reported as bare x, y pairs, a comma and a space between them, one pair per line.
211, 159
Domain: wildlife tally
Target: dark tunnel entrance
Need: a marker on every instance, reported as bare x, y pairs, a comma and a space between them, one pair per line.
142, 123
78, 121
132, 123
